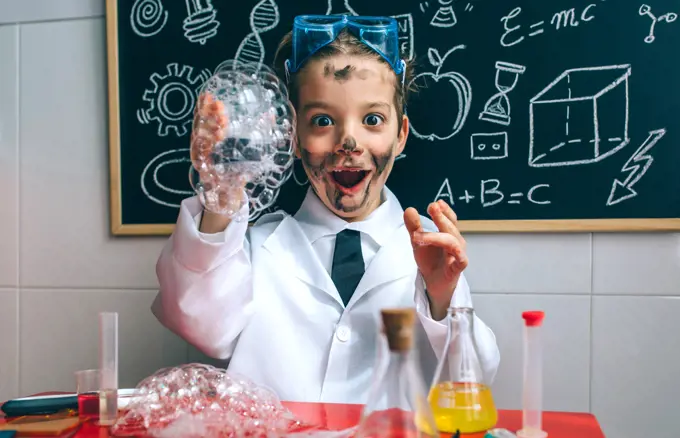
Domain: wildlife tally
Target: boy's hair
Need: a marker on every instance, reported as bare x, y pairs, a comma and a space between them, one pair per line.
344, 44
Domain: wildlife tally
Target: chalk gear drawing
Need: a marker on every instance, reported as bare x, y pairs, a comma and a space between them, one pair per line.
172, 99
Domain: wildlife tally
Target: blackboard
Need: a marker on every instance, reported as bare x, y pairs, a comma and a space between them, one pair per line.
532, 115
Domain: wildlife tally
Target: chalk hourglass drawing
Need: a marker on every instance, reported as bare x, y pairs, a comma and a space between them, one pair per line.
497, 108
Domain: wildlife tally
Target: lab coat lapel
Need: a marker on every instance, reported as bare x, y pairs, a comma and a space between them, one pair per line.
289, 245
392, 262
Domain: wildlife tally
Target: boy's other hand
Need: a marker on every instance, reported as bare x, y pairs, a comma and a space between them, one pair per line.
440, 256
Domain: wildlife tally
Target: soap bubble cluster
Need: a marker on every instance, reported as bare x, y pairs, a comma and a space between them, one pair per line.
202, 400
255, 150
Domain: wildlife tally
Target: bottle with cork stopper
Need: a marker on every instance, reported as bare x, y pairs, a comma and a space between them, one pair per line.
397, 401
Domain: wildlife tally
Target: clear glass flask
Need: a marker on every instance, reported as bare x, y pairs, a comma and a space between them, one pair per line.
459, 398
397, 403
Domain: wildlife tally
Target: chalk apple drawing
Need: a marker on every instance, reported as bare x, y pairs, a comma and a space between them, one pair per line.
441, 86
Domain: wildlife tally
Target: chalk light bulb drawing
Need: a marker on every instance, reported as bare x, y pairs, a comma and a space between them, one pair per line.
200, 24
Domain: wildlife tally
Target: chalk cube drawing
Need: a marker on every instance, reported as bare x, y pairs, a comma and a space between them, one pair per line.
581, 117
489, 146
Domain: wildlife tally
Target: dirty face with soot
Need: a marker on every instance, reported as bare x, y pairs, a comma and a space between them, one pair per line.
348, 131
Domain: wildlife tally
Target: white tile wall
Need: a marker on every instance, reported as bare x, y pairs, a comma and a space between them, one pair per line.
9, 343
566, 339
64, 164
9, 153
611, 331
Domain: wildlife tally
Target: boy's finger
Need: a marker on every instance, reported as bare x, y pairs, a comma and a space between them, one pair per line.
448, 211
440, 220
412, 220
445, 241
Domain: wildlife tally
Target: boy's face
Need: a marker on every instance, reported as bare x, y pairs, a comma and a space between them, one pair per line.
348, 131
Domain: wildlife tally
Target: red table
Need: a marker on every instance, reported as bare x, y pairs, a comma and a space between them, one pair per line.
341, 416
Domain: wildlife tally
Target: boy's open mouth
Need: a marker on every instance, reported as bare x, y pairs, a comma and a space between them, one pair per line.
348, 180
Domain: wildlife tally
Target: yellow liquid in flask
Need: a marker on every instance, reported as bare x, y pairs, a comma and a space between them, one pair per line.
464, 407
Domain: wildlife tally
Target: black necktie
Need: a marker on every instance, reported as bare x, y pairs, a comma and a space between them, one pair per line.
348, 263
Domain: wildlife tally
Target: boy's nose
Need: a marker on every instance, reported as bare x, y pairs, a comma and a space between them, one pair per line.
348, 145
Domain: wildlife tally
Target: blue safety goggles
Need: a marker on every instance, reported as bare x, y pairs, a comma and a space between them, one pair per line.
313, 32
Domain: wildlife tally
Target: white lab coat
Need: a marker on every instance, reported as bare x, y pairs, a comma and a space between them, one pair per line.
260, 297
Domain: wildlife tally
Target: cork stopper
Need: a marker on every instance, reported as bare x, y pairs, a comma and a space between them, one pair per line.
398, 327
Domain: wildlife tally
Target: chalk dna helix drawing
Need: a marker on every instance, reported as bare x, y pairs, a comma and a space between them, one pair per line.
263, 17
594, 104
148, 17
172, 98
200, 24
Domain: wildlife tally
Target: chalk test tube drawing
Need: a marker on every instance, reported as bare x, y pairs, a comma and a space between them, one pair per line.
497, 108
594, 104
172, 98
263, 17
637, 165
440, 86
489, 146
150, 181
668, 18
148, 17
200, 24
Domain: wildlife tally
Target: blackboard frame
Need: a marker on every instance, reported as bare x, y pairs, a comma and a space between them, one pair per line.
115, 199
119, 228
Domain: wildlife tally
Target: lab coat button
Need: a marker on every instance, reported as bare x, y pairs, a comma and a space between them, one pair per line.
343, 333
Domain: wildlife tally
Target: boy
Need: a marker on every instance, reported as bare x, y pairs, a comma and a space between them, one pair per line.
293, 301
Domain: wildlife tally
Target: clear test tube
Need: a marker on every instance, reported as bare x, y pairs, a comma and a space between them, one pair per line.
532, 395
108, 364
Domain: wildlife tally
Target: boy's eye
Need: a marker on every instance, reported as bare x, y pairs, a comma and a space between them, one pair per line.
373, 119
322, 121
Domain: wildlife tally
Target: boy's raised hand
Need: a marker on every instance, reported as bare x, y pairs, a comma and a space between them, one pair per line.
440, 256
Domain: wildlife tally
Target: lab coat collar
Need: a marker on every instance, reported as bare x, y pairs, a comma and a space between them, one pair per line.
318, 221
292, 247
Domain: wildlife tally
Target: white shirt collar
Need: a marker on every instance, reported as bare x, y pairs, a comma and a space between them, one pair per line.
317, 221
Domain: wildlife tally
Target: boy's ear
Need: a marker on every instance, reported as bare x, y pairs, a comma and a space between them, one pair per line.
403, 134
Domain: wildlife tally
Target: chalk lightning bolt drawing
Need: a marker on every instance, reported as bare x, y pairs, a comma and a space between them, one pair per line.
638, 164
264, 17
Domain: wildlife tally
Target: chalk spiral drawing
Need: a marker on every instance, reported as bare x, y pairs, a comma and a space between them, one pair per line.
200, 24
263, 17
148, 17
172, 98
